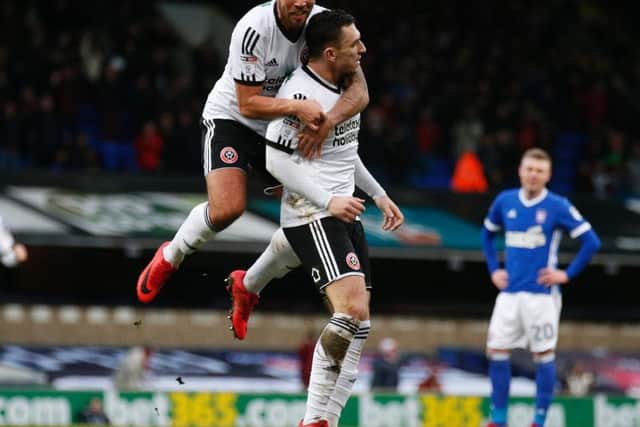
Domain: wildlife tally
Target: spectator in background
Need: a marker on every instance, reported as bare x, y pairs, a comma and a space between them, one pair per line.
427, 132
596, 104
386, 370
94, 414
48, 132
118, 150
523, 101
428, 135
305, 355
466, 132
468, 175
431, 384
10, 137
489, 156
130, 373
149, 145
579, 380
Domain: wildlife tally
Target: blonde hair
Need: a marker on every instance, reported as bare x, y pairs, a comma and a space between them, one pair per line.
536, 153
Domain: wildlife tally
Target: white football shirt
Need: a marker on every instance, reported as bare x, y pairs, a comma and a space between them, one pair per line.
259, 54
334, 171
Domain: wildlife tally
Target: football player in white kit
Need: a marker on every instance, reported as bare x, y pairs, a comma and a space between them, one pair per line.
527, 310
266, 45
320, 216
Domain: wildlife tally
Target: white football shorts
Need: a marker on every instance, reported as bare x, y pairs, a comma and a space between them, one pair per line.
525, 320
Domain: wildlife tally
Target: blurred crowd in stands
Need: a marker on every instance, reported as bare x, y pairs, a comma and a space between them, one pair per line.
458, 91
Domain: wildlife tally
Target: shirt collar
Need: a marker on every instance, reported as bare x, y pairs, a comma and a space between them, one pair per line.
291, 36
531, 202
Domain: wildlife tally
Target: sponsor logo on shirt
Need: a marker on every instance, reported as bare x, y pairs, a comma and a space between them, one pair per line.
272, 63
273, 84
532, 238
346, 132
251, 59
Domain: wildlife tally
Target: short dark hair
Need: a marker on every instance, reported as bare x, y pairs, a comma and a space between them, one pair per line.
324, 29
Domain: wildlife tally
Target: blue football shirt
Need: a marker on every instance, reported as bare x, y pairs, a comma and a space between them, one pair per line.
533, 230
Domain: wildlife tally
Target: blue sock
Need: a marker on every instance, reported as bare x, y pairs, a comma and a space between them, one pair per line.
500, 375
545, 383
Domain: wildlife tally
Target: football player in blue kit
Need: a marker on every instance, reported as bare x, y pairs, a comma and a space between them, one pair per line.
527, 309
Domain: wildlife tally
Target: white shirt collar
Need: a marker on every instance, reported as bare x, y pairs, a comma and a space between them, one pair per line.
530, 202
320, 80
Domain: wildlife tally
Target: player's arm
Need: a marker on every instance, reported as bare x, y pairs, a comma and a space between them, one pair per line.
489, 250
352, 101
393, 217
589, 245
295, 176
492, 225
571, 220
247, 54
252, 104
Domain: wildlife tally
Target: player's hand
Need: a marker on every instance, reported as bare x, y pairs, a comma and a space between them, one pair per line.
550, 276
21, 252
311, 113
310, 140
346, 208
393, 217
500, 278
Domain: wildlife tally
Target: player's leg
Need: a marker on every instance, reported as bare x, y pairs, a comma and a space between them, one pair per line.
328, 255
225, 173
349, 298
276, 261
349, 372
542, 314
545, 383
505, 333
500, 376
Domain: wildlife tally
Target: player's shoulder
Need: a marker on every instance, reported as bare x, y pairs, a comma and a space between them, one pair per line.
557, 199
317, 9
507, 195
296, 82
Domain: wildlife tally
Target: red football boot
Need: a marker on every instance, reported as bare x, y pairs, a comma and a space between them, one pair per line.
243, 302
492, 424
154, 276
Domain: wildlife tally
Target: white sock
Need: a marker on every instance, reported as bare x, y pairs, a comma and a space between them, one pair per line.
193, 233
326, 368
277, 260
348, 375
